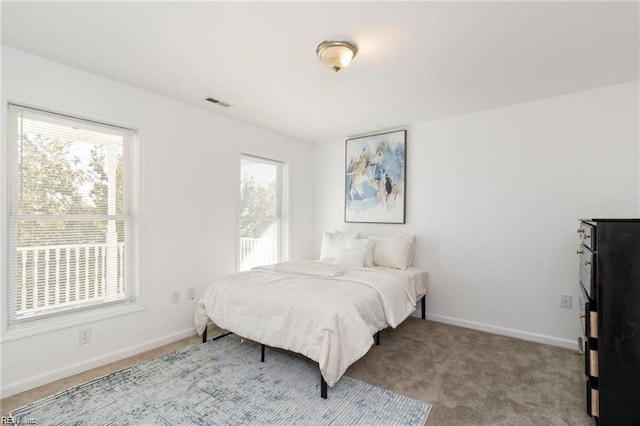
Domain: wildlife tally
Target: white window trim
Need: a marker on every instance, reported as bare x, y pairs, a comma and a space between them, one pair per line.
74, 318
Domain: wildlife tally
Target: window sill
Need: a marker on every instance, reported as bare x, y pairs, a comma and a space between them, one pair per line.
46, 325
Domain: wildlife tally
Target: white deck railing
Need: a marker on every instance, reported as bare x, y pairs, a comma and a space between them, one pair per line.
257, 251
56, 275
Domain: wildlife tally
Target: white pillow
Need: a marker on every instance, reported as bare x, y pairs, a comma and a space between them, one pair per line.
393, 251
351, 258
366, 243
331, 241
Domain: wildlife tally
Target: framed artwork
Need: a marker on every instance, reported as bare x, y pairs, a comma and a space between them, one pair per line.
375, 175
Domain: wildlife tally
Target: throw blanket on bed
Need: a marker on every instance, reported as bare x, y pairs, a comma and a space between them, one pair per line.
326, 313
394, 302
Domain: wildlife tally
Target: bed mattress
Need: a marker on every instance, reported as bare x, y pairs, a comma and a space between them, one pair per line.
325, 312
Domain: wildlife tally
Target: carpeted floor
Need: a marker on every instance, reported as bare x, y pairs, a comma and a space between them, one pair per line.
470, 377
476, 378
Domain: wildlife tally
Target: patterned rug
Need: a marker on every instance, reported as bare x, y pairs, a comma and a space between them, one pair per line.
224, 382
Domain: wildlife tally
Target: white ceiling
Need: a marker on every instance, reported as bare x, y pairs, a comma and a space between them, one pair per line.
417, 61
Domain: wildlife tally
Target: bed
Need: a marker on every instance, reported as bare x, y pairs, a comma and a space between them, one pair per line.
326, 310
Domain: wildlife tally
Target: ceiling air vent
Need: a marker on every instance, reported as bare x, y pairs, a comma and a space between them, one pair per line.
217, 102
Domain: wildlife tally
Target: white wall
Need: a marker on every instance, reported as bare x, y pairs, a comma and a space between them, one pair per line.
493, 198
190, 161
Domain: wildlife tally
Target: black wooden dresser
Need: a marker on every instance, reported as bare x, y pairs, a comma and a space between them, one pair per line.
609, 254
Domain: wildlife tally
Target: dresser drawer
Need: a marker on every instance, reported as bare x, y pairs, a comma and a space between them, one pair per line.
587, 269
588, 315
593, 325
587, 235
590, 354
593, 362
593, 405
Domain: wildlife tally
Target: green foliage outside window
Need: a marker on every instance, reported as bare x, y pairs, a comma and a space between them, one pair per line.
55, 180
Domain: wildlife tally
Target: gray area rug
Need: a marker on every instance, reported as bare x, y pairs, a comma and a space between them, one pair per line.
224, 382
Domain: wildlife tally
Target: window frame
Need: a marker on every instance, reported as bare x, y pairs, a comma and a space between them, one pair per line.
283, 207
64, 318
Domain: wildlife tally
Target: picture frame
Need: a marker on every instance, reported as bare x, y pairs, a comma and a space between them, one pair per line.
375, 178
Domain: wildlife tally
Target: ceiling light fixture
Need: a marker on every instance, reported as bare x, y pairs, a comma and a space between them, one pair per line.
336, 54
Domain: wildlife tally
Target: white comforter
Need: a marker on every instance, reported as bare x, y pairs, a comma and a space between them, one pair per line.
326, 313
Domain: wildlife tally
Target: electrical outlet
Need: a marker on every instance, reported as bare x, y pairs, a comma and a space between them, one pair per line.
84, 336
191, 293
175, 296
566, 301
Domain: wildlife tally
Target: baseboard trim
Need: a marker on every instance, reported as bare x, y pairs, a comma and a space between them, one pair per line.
503, 331
62, 373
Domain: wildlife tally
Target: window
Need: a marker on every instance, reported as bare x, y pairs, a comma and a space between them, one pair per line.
261, 212
71, 230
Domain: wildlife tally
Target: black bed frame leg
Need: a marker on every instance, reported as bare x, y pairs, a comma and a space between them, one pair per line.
204, 335
262, 355
424, 306
378, 338
323, 387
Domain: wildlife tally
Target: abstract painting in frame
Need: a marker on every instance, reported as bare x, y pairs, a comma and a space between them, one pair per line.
375, 175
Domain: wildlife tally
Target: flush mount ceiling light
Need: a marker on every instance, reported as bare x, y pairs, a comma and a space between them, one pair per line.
336, 54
